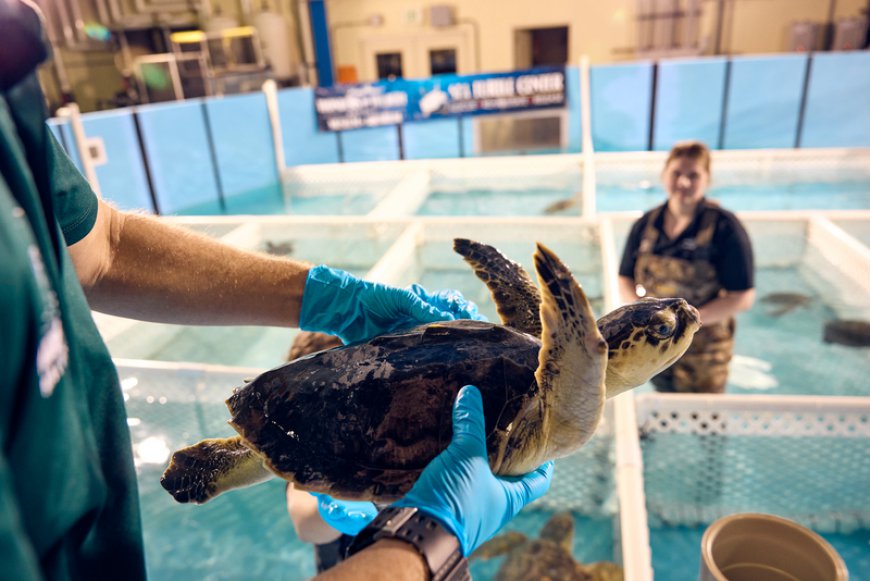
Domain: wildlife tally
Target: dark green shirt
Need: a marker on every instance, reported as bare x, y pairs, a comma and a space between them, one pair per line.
68, 497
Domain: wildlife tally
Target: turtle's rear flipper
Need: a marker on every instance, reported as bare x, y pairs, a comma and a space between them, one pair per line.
200, 472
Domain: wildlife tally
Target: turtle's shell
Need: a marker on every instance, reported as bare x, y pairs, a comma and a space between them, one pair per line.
362, 421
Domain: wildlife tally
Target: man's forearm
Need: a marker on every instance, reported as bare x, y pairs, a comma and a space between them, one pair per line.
139, 267
386, 559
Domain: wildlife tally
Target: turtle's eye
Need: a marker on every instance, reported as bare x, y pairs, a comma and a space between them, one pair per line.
663, 329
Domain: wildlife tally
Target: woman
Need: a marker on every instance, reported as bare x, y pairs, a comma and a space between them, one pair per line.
692, 248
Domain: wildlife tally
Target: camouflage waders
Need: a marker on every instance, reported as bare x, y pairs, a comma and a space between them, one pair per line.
704, 367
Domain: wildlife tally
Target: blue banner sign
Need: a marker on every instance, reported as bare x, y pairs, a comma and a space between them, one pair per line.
344, 107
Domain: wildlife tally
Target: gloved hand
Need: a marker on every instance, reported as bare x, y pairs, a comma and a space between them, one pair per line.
459, 489
346, 516
338, 303
451, 301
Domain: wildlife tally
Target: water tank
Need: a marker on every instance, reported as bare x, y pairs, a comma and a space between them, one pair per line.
277, 45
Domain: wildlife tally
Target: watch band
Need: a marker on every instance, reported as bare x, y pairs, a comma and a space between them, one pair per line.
439, 547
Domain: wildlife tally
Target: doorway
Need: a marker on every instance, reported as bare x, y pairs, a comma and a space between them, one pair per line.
538, 47
416, 56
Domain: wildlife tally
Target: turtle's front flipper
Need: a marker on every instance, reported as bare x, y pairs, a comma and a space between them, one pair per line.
572, 360
515, 294
200, 472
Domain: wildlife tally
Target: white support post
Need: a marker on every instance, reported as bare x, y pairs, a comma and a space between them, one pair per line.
633, 520
405, 198
270, 90
588, 192
393, 266
72, 112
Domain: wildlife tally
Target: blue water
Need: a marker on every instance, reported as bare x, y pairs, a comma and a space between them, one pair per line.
814, 195
785, 354
482, 202
531, 198
535, 200
293, 199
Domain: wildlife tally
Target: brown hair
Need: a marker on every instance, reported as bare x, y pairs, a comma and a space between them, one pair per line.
692, 150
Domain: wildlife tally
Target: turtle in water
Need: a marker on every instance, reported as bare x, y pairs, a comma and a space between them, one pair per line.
781, 303
848, 332
361, 422
547, 557
279, 248
563, 204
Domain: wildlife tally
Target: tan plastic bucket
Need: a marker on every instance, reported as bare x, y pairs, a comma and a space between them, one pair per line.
763, 547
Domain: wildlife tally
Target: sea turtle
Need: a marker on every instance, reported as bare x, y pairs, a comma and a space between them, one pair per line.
563, 204
361, 422
781, 303
848, 332
547, 557
279, 248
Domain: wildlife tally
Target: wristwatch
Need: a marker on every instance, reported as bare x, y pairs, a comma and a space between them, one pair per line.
439, 547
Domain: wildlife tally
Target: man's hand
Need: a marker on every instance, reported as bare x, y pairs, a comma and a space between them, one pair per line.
338, 303
458, 487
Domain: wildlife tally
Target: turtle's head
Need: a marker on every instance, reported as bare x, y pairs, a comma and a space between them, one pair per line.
560, 530
644, 338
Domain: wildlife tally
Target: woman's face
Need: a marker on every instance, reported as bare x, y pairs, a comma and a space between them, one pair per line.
685, 180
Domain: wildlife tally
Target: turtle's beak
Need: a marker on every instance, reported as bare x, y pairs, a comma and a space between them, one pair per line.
692, 312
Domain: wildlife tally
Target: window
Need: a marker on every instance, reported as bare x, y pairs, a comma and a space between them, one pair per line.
521, 132
442, 61
535, 47
389, 65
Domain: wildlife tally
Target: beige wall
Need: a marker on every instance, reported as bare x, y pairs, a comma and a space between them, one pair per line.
596, 28
763, 26
605, 30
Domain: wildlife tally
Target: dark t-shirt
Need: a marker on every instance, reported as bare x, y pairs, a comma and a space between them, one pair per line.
68, 496
730, 250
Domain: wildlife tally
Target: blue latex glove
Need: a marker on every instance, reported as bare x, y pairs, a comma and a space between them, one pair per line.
459, 489
451, 301
338, 303
346, 516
